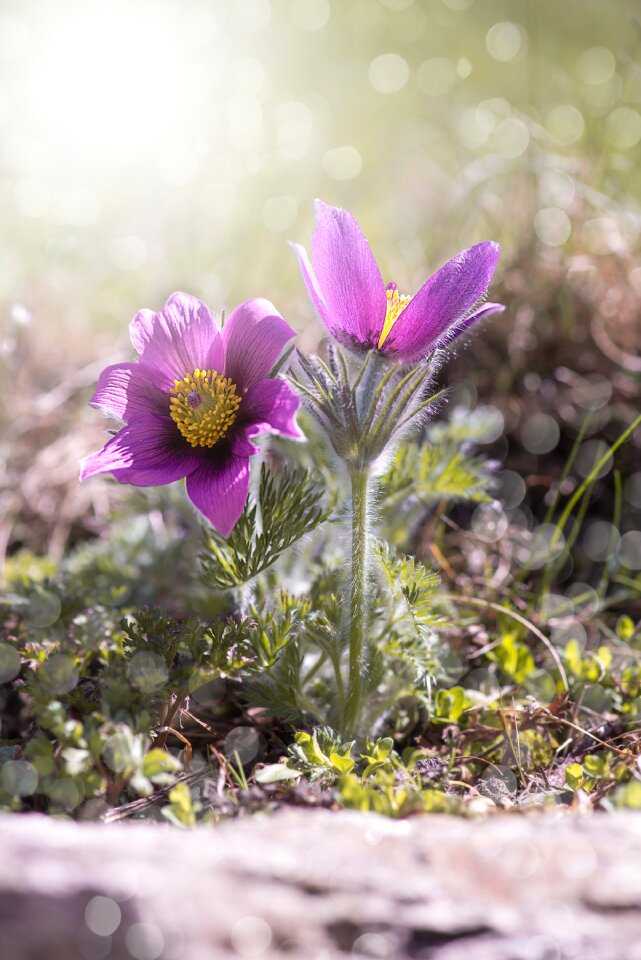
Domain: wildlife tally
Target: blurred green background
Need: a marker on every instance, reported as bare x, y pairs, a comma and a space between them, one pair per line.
155, 145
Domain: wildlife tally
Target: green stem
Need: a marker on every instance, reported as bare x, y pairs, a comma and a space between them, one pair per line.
591, 477
303, 702
314, 669
335, 657
357, 597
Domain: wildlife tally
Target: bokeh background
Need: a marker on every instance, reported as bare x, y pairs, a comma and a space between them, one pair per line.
154, 145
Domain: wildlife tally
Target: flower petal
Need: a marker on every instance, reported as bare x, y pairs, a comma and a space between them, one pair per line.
140, 329
241, 441
348, 278
126, 389
442, 301
177, 340
149, 452
311, 282
458, 328
219, 490
270, 406
253, 338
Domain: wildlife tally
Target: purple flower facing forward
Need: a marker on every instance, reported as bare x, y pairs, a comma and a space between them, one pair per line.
362, 313
194, 401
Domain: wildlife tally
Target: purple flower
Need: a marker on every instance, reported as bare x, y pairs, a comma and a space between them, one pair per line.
194, 401
362, 313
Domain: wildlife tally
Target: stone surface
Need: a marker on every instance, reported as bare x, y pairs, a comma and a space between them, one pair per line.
319, 885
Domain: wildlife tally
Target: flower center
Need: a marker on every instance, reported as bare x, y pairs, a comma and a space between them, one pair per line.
396, 303
204, 405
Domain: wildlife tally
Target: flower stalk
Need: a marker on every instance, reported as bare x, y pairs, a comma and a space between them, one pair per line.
357, 597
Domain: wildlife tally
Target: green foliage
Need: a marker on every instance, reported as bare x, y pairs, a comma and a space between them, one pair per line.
27, 569
410, 610
536, 750
627, 796
377, 754
392, 787
106, 655
514, 658
268, 647
574, 776
268, 634
592, 667
127, 755
141, 564
411, 584
169, 655
276, 773
626, 629
289, 505
449, 705
363, 406
181, 810
97, 688
321, 755
435, 469
385, 795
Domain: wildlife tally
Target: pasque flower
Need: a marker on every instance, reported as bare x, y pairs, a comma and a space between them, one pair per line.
194, 401
347, 288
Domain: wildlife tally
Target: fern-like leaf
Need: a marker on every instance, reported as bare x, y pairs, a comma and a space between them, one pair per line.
414, 612
411, 584
289, 506
432, 472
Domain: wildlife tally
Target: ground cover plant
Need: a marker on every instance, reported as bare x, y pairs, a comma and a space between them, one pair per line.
310, 655
404, 571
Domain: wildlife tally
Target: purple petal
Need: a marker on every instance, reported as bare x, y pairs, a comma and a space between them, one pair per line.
270, 406
149, 452
181, 338
348, 278
219, 490
253, 338
241, 442
458, 328
444, 300
125, 389
139, 329
311, 282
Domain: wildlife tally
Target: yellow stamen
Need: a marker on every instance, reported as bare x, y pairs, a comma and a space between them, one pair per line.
204, 406
396, 303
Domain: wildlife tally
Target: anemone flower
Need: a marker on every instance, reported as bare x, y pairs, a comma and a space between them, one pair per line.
348, 291
194, 401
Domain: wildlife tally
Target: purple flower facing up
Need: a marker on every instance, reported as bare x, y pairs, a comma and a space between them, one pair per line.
362, 313
194, 401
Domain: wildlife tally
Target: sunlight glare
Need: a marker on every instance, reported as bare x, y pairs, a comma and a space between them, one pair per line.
111, 80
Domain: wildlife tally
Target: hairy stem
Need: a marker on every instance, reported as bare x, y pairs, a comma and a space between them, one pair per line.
357, 597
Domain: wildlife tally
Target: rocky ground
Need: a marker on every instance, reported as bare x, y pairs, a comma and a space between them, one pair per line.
320, 885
